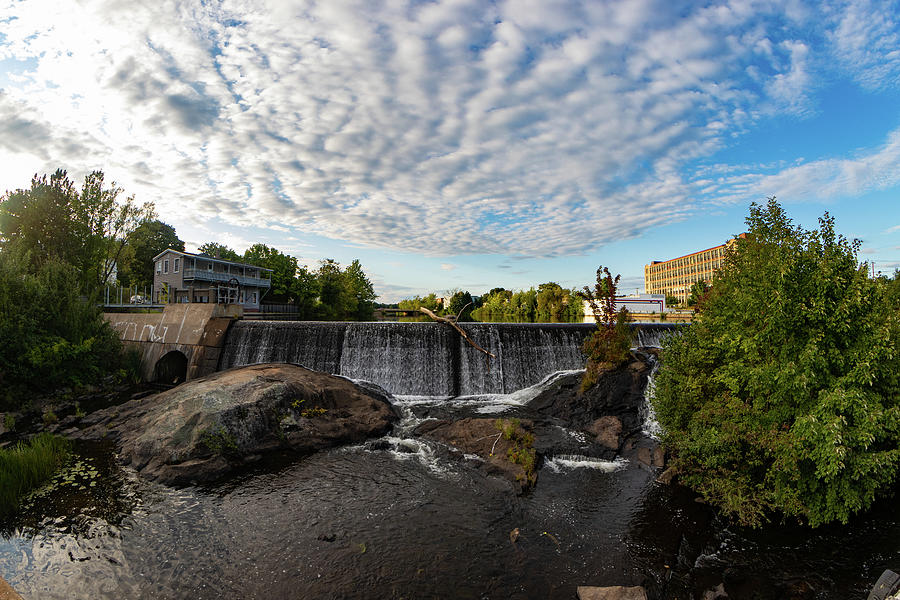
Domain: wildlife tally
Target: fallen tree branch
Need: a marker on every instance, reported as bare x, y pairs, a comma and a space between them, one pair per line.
459, 330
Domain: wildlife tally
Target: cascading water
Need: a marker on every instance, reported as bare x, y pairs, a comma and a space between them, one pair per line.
423, 359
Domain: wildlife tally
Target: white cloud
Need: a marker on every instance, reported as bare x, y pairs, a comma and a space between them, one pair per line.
520, 127
447, 267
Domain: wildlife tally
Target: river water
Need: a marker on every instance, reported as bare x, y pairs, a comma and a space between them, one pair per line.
399, 517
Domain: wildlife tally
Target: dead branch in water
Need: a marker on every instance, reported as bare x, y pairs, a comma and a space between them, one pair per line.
459, 329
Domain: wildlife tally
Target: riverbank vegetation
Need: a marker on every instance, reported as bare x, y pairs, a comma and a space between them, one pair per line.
550, 302
26, 466
783, 397
608, 345
58, 245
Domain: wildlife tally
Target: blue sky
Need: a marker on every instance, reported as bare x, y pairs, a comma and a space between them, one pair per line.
465, 144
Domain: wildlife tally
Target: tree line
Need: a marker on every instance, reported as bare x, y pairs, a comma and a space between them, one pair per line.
549, 302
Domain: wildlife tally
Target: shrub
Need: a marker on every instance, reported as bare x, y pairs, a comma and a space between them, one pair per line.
784, 394
27, 466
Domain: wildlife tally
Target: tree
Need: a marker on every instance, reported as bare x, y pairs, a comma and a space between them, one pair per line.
217, 250
87, 230
284, 269
146, 241
361, 289
671, 300
698, 292
459, 301
335, 298
305, 291
550, 299
783, 396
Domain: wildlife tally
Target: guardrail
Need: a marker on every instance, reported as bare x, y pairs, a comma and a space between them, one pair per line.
205, 275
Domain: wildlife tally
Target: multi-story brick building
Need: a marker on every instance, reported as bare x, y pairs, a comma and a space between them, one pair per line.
185, 277
676, 276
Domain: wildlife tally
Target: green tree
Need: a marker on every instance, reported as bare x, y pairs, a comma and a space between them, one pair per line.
335, 298
305, 292
671, 300
784, 394
284, 270
146, 241
550, 299
459, 301
211, 249
698, 292
86, 229
608, 346
362, 291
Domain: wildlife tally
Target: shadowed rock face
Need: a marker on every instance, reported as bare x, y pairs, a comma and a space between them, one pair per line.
202, 429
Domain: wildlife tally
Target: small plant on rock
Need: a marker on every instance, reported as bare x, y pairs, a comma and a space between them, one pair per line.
219, 441
522, 451
608, 346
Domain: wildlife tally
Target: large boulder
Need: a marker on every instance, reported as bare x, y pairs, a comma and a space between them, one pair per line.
202, 429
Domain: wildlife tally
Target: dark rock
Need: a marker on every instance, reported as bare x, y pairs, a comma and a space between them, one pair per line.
202, 429
619, 393
667, 476
481, 437
142, 394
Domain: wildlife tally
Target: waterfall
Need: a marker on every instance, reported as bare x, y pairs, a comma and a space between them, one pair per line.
422, 359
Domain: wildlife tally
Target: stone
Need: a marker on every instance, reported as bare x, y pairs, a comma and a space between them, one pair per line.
200, 430
481, 437
616, 592
667, 476
607, 431
652, 456
618, 392
7, 592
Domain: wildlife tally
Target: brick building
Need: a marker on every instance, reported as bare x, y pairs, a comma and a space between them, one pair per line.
676, 276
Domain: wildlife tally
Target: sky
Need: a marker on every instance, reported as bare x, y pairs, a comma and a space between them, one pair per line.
465, 144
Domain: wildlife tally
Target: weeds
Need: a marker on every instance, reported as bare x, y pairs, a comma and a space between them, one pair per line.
27, 466
219, 441
522, 451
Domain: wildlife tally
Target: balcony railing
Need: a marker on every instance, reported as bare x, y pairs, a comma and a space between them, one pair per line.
206, 275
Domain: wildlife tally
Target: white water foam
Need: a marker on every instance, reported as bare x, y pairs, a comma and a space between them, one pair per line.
651, 426
567, 462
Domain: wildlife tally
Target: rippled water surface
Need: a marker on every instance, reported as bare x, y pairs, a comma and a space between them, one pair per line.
402, 518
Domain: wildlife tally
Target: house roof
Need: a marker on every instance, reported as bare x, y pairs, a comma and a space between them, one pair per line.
210, 258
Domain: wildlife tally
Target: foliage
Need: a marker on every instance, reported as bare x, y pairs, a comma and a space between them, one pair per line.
609, 345
149, 239
27, 466
316, 411
217, 250
86, 229
9, 422
458, 302
521, 451
671, 300
284, 270
49, 336
550, 302
219, 441
698, 292
362, 291
784, 394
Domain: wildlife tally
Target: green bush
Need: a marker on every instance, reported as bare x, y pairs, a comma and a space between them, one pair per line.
50, 336
784, 394
27, 466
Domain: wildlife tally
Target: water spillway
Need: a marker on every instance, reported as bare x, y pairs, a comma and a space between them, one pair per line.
423, 359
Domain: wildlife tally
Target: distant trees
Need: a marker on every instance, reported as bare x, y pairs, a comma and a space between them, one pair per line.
550, 302
217, 250
783, 396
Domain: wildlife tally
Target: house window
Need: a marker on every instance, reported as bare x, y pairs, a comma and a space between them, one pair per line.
176, 266
209, 266
158, 266
253, 298
166, 266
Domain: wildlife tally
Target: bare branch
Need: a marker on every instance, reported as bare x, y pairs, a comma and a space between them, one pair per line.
459, 330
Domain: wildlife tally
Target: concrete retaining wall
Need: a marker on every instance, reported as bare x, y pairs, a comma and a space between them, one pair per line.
195, 330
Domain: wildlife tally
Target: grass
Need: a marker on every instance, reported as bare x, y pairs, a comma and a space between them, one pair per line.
27, 466
522, 451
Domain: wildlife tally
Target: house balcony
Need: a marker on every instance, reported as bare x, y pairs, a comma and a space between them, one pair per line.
216, 276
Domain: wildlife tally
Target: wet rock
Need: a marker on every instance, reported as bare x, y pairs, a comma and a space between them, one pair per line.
618, 393
481, 437
607, 431
716, 593
616, 592
202, 429
667, 476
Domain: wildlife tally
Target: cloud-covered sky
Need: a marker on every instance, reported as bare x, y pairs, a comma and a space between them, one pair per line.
465, 143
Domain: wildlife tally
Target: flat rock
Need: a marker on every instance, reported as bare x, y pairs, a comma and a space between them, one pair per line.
616, 592
481, 437
202, 429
